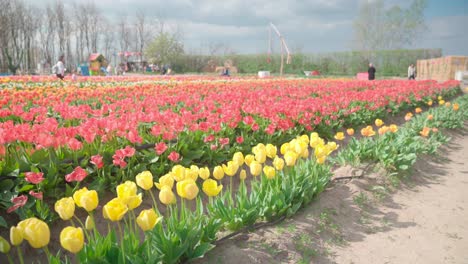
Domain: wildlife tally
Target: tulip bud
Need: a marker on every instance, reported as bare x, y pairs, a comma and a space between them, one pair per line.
278, 163
16, 236
271, 151
4, 245
255, 168
238, 158
89, 224
144, 180
218, 172
269, 172
72, 239
147, 219
166, 196
243, 175
65, 208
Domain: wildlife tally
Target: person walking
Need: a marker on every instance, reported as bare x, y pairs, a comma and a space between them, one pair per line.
59, 68
411, 72
371, 71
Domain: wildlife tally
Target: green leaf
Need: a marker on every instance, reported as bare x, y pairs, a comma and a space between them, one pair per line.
201, 250
6, 185
3, 223
26, 188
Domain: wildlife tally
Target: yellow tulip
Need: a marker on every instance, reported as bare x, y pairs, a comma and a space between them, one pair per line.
441, 102
305, 139
72, 239
260, 155
178, 172
65, 208
429, 103
243, 175
231, 168
321, 160
290, 158
393, 128
379, 122
89, 224
316, 141
211, 188
126, 189
271, 151
166, 196
191, 174
339, 136
16, 236
147, 219
284, 148
321, 151
204, 173
35, 231
314, 135
299, 147
248, 159
187, 189
238, 158
269, 172
4, 245
255, 168
133, 201
115, 209
331, 146
305, 153
259, 147
166, 180
218, 172
86, 199
278, 163
383, 130
144, 180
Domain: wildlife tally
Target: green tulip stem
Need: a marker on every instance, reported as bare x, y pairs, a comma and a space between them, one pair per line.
46, 250
20, 255
91, 215
230, 189
155, 205
122, 241
9, 259
79, 221
182, 209
135, 228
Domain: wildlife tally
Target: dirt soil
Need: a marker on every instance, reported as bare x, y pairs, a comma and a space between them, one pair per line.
422, 218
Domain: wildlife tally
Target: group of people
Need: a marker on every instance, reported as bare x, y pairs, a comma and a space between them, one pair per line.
59, 70
411, 72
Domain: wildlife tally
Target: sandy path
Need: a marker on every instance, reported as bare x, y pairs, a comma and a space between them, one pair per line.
424, 220
435, 213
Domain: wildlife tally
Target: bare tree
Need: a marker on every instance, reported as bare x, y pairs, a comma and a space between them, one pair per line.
377, 27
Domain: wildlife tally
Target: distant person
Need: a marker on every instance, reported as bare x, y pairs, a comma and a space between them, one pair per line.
411, 72
59, 68
371, 72
109, 70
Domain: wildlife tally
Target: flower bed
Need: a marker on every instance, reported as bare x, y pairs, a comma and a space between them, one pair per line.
99, 135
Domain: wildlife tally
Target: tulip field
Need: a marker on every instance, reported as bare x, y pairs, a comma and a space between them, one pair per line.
154, 169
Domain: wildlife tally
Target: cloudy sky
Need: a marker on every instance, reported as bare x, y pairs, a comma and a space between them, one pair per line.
307, 25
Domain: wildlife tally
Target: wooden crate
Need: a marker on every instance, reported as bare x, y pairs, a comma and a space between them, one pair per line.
441, 69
